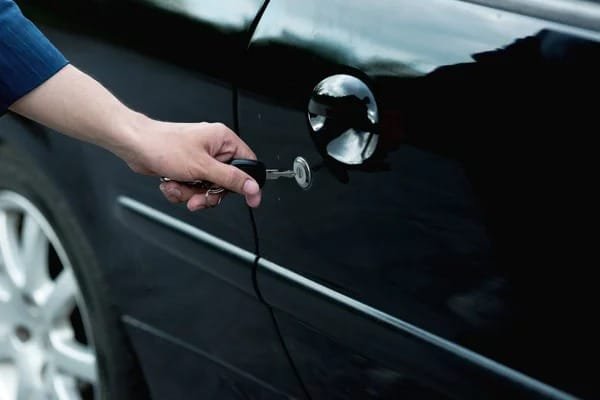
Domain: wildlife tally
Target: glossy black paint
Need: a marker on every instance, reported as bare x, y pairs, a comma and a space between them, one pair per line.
184, 372
206, 37
468, 220
198, 301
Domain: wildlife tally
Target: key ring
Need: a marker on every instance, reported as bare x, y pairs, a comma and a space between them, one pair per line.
216, 191
203, 185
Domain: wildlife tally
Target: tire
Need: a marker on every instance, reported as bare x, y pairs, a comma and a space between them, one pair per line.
94, 325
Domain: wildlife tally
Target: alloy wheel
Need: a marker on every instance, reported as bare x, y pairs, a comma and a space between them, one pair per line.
46, 344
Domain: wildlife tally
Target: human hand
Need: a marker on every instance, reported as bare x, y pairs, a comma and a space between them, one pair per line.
75, 104
188, 152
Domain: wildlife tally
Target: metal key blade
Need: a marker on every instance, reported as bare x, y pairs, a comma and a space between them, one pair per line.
273, 174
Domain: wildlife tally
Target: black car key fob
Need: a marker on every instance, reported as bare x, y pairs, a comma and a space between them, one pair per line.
256, 169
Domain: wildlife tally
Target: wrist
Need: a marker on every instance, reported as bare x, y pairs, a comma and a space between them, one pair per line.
133, 135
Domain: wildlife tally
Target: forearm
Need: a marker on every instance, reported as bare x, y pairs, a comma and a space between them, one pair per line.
35, 83
75, 104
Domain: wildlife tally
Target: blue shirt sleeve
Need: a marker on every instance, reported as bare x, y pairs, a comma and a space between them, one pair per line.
27, 58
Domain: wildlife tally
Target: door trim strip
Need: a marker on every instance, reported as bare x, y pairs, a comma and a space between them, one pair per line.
371, 312
421, 334
167, 337
187, 229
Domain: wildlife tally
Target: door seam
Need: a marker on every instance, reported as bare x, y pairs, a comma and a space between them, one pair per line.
268, 306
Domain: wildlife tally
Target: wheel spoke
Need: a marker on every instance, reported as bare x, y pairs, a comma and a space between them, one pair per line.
8, 381
5, 347
64, 388
61, 299
74, 359
6, 289
40, 395
34, 253
9, 248
32, 300
25, 388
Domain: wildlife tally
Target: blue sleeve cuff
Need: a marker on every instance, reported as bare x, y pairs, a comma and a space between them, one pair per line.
27, 58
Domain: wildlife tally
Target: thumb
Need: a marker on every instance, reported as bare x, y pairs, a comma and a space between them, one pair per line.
231, 178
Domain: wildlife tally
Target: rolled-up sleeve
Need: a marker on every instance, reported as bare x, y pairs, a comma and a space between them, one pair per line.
27, 58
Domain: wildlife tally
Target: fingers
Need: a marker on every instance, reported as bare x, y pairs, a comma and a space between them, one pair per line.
242, 149
178, 193
253, 200
219, 147
204, 200
232, 179
196, 198
230, 147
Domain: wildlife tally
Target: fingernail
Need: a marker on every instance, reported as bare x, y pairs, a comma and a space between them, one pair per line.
162, 187
250, 187
253, 201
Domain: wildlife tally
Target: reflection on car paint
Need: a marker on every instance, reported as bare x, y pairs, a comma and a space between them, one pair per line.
465, 219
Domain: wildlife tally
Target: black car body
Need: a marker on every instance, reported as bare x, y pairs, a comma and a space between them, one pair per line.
455, 262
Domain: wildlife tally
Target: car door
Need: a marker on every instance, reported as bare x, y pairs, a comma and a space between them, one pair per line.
183, 281
438, 252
